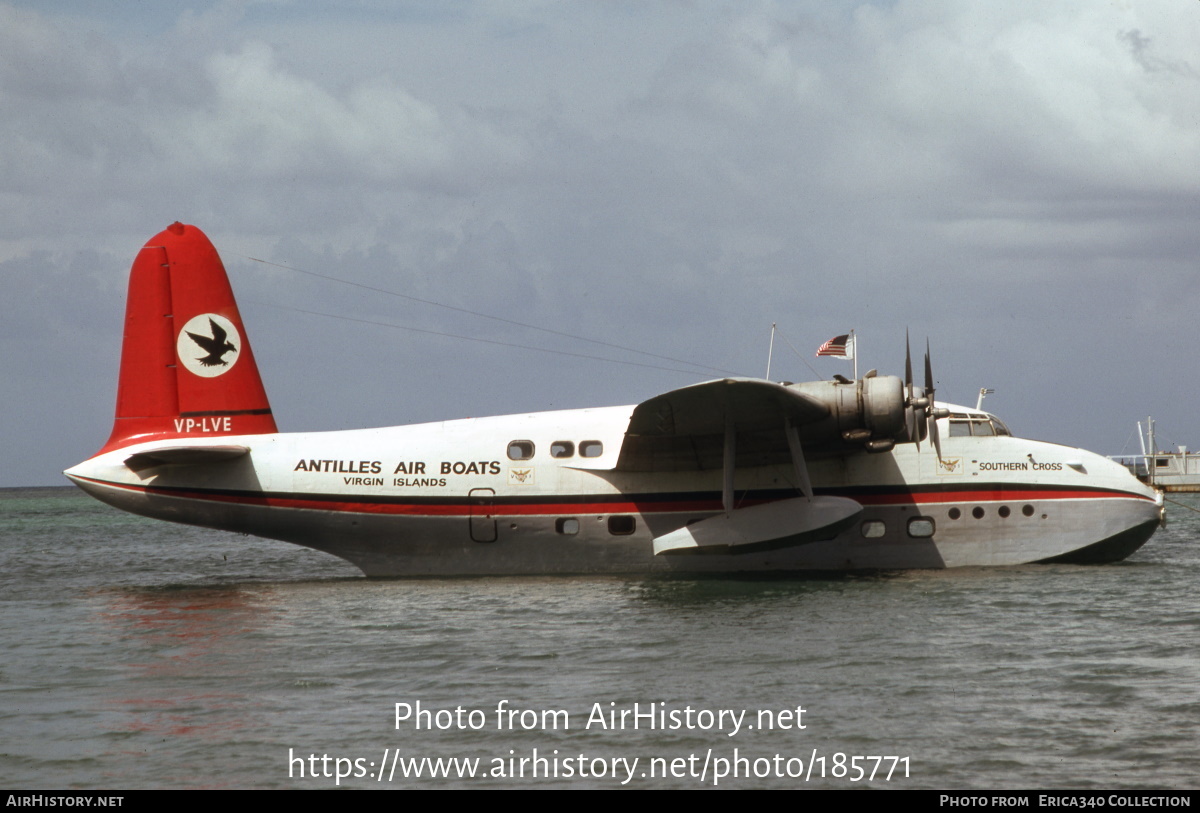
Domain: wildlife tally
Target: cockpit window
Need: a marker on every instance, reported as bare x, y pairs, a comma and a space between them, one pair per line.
983, 427
964, 425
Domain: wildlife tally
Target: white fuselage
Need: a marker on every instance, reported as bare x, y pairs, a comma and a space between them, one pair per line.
448, 499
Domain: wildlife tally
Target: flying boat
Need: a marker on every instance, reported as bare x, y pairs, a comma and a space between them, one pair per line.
735, 475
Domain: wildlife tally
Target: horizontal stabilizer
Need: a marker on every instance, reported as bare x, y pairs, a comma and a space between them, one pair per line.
772, 525
184, 455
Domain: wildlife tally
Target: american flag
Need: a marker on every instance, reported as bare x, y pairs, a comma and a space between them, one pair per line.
840, 346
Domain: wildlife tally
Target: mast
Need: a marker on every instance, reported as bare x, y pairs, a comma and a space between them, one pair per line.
770, 351
854, 352
1150, 461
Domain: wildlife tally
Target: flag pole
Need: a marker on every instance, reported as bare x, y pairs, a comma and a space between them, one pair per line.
770, 350
854, 345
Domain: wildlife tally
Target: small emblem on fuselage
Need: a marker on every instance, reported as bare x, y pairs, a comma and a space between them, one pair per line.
209, 345
520, 476
949, 465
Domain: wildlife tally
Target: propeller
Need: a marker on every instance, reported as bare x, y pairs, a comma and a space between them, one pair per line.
931, 413
922, 407
914, 431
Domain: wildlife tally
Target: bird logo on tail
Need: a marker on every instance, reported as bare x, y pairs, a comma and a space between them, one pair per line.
219, 352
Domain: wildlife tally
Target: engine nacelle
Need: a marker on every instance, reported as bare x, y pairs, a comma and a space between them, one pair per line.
874, 412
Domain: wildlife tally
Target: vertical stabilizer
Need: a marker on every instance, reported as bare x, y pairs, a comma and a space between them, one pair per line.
186, 365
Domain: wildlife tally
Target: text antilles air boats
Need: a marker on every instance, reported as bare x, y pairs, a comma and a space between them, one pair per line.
733, 475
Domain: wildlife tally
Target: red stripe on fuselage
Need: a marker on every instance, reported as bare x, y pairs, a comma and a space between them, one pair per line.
649, 504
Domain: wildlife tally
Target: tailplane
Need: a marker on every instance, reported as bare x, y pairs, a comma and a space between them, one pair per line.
186, 366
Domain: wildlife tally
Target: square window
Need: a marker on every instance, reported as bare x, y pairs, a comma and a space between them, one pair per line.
873, 529
921, 527
621, 525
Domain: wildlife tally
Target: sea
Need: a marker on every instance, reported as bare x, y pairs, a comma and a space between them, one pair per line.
144, 655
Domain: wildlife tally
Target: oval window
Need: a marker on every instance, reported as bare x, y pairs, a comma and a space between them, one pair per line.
520, 449
591, 448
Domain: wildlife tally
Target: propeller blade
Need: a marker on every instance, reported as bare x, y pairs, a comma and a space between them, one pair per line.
908, 382
914, 429
931, 410
933, 434
928, 374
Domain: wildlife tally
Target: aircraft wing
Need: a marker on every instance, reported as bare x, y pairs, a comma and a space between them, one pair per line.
685, 429
721, 425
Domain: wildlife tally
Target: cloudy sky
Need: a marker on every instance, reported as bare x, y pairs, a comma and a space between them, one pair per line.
1020, 182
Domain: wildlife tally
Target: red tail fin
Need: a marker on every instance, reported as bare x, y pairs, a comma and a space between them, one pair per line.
186, 365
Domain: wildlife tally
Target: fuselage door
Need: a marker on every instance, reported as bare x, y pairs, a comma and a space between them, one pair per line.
483, 522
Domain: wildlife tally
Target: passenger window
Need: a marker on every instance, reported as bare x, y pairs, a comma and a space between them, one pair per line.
621, 524
562, 448
568, 526
520, 450
920, 527
873, 529
591, 448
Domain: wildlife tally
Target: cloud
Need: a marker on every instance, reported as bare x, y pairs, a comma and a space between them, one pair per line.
673, 176
263, 122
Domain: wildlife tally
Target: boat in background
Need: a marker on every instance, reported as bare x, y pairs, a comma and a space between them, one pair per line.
1177, 471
